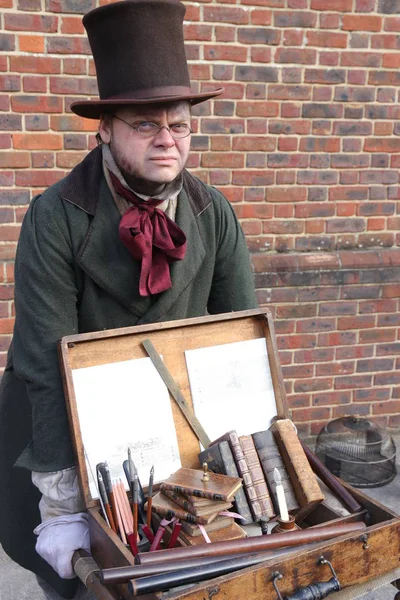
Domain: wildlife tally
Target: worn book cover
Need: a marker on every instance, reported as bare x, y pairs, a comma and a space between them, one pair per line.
198, 511
218, 523
270, 458
231, 532
233, 439
257, 476
217, 487
196, 500
302, 477
165, 507
220, 459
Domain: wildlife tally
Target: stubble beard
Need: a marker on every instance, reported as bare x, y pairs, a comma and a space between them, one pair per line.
133, 177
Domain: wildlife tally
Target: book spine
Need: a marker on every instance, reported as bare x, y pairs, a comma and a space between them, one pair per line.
270, 459
241, 504
303, 479
244, 473
195, 492
257, 476
178, 499
169, 513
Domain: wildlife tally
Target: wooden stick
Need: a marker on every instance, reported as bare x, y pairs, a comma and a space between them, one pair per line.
254, 544
176, 393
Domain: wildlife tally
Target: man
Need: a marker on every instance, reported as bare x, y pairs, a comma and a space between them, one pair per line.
129, 237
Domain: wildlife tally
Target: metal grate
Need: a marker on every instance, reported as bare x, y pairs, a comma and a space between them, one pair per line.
358, 451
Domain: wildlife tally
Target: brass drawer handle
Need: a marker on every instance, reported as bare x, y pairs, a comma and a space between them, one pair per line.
314, 591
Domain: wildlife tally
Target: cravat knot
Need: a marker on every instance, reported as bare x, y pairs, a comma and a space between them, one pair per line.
151, 237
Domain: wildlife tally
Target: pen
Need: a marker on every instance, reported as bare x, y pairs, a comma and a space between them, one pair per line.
104, 497
135, 504
150, 497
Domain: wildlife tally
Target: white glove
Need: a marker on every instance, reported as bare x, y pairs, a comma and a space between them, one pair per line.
58, 538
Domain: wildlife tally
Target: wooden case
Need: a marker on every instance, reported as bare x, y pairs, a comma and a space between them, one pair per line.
355, 558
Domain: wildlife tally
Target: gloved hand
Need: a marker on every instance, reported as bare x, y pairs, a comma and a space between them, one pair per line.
58, 538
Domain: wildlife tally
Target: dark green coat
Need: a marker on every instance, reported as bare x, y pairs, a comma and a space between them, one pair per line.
74, 275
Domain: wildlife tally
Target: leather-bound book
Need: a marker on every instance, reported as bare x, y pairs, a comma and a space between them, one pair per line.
220, 459
302, 477
165, 507
257, 476
193, 481
202, 511
218, 523
233, 439
231, 532
270, 459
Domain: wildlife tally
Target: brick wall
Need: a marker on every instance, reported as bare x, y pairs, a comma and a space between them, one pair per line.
305, 144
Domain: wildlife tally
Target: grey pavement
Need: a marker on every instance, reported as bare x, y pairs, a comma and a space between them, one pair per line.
18, 584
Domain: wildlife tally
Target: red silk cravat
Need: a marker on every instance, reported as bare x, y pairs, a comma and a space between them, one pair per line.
151, 237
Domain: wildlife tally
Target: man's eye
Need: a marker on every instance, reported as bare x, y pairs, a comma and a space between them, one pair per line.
147, 126
179, 127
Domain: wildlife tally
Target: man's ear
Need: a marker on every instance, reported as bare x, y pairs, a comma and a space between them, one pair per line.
105, 127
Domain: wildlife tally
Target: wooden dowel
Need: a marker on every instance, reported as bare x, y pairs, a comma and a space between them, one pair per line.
254, 544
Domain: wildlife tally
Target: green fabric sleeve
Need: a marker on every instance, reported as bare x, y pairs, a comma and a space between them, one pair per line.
46, 310
233, 280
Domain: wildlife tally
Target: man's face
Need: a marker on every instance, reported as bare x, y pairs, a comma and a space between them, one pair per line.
147, 163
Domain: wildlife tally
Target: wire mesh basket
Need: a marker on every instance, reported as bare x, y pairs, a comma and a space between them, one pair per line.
358, 451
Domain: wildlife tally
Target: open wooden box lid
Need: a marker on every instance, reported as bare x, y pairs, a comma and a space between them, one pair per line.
111, 395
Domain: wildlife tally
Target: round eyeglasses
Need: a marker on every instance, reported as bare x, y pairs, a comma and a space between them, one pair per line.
148, 129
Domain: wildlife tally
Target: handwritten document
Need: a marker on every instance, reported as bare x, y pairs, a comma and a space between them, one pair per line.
231, 387
126, 405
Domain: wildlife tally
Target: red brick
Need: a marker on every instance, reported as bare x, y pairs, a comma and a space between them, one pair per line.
322, 40
361, 59
34, 84
14, 160
257, 109
222, 14
31, 43
37, 141
72, 25
294, 55
35, 64
39, 178
253, 144
337, 5
331, 398
31, 23
198, 32
361, 23
391, 24
225, 52
261, 17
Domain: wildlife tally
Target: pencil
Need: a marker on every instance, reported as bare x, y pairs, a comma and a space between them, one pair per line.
112, 499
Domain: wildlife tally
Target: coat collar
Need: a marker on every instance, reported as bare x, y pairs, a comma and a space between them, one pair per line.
104, 257
81, 187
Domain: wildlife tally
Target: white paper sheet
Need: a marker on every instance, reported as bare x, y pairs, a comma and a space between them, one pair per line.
231, 387
121, 405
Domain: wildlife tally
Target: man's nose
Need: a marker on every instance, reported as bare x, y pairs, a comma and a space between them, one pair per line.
164, 137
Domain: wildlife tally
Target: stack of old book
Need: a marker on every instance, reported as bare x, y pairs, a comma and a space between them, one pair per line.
254, 458
201, 501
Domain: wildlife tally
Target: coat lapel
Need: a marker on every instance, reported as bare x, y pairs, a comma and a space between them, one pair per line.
104, 258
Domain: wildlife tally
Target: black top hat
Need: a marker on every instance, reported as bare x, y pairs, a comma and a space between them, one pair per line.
138, 50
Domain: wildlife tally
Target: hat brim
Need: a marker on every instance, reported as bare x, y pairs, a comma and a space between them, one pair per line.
93, 109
